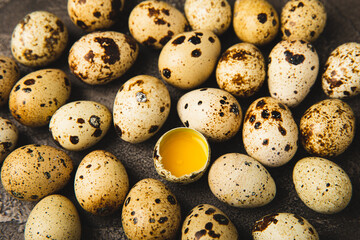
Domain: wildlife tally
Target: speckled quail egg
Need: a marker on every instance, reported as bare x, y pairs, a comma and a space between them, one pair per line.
208, 222
189, 58
341, 78
101, 183
79, 125
141, 107
303, 20
270, 133
91, 15
39, 39
54, 217
8, 137
9, 75
241, 70
35, 97
322, 185
255, 21
292, 71
327, 128
211, 111
154, 23
241, 181
151, 211
101, 57
283, 226
34, 171
208, 14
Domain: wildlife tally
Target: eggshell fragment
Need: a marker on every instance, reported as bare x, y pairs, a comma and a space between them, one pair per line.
8, 137
9, 75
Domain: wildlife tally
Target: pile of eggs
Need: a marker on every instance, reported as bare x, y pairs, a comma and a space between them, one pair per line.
189, 54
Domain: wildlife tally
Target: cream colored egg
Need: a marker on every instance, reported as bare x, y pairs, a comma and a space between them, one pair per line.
255, 21
189, 58
327, 128
91, 15
39, 39
211, 111
283, 226
151, 211
79, 125
9, 135
303, 20
54, 217
101, 57
101, 183
34, 171
154, 23
9, 75
270, 133
208, 222
241, 70
341, 78
292, 71
141, 107
35, 97
208, 14
322, 185
241, 181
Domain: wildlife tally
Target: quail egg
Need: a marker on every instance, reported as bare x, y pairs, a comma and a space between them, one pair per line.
8, 137
9, 75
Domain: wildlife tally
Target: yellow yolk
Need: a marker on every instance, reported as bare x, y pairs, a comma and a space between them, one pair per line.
184, 152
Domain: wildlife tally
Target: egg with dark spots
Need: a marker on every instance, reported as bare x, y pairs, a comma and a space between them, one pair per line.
79, 125
39, 39
141, 107
189, 59
218, 117
327, 128
101, 57
9, 75
33, 171
241, 181
341, 77
9, 135
283, 226
270, 133
208, 222
35, 97
151, 211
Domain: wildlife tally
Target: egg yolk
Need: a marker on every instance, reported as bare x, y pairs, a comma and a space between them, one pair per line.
184, 152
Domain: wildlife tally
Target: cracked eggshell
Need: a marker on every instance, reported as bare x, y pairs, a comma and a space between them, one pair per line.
79, 125
101, 183
208, 14
154, 23
151, 211
189, 58
141, 107
292, 71
35, 97
283, 226
241, 181
91, 15
208, 222
9, 135
241, 70
303, 20
9, 75
39, 39
33, 171
322, 185
53, 217
341, 78
255, 21
327, 128
211, 111
101, 57
270, 133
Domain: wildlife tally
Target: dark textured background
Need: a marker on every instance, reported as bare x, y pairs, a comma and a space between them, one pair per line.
343, 25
